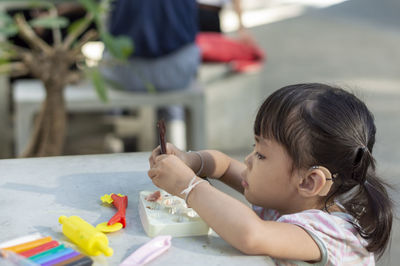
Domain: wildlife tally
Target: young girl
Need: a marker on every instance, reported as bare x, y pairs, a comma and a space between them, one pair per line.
311, 180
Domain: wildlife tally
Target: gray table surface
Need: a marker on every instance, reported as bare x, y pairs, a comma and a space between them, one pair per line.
35, 192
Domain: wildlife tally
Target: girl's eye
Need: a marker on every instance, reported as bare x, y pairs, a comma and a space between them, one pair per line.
259, 156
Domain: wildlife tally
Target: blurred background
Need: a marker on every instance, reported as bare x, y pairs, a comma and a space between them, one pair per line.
350, 43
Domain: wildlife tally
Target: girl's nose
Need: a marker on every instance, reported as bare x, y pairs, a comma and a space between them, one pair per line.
247, 160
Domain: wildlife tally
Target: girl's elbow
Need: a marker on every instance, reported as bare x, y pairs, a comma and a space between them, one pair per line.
250, 244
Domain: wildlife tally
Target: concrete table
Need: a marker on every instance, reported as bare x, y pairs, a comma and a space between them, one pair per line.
35, 192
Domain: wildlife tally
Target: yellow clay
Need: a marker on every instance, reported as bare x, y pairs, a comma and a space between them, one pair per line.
105, 228
107, 198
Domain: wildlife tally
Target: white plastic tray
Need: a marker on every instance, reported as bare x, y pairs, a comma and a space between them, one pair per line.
169, 216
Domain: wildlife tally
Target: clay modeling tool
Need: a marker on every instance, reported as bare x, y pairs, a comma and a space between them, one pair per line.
120, 202
161, 136
28, 245
39, 249
148, 251
84, 235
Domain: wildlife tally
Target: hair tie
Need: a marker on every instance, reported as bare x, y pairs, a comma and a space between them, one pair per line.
364, 148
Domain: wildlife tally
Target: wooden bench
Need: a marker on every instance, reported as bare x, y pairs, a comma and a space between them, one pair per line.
29, 94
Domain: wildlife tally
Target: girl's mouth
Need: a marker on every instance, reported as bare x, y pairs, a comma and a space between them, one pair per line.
244, 183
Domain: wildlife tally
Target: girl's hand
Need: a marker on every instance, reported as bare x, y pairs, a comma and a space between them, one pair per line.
190, 159
170, 173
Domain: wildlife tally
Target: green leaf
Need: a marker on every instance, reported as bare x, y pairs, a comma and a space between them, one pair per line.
76, 25
5, 18
114, 84
120, 47
41, 4
9, 30
49, 22
4, 60
91, 6
99, 83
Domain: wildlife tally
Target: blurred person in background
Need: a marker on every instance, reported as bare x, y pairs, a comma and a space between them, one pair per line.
165, 55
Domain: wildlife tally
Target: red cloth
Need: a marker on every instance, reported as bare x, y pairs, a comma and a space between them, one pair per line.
216, 47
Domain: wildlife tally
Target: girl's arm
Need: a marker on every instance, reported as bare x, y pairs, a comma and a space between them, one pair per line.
242, 228
222, 167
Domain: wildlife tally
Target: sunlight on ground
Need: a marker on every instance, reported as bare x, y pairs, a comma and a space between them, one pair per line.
276, 10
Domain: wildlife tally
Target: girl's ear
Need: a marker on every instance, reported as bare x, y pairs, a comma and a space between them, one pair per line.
316, 181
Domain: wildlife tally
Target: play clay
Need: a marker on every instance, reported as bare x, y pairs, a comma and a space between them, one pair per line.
120, 202
169, 215
105, 228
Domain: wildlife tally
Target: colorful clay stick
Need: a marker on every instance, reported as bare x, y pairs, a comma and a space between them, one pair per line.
29, 245
39, 249
161, 136
70, 260
80, 260
47, 253
20, 240
54, 256
120, 202
61, 259
11, 258
85, 261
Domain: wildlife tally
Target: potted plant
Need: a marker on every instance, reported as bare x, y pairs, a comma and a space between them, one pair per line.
55, 64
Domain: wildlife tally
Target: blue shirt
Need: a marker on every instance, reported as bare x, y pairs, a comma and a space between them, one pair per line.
157, 27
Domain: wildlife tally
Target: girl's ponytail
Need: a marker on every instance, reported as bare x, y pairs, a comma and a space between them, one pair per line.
380, 216
375, 215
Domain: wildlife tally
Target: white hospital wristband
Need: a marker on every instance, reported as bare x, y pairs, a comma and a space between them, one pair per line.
190, 187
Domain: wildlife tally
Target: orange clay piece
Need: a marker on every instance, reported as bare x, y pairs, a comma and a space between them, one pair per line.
29, 245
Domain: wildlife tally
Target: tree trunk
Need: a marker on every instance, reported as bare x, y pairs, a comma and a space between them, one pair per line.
50, 125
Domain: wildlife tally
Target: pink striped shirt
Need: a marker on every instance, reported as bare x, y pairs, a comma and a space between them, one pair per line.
338, 240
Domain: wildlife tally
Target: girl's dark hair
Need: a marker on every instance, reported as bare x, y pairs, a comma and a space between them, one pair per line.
323, 125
